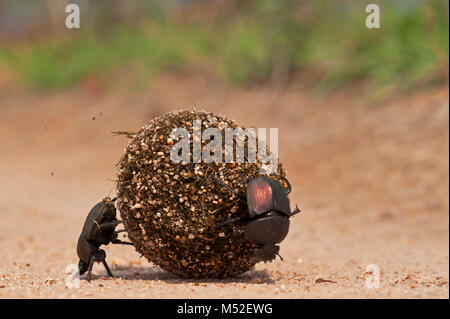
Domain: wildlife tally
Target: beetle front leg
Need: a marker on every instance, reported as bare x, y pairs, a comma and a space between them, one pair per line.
231, 221
295, 211
110, 224
90, 265
118, 241
217, 180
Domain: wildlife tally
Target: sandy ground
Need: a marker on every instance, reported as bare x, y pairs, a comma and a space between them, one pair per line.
372, 183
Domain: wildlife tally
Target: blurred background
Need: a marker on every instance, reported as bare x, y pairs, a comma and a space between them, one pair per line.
258, 42
362, 117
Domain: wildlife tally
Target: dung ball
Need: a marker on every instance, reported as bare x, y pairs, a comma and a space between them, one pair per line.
176, 213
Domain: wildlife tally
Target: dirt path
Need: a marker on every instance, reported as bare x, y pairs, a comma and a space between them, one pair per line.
372, 183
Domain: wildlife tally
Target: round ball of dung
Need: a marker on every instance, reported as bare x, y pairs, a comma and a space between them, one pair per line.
174, 212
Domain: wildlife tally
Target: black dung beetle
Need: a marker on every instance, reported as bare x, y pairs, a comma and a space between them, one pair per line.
98, 229
269, 211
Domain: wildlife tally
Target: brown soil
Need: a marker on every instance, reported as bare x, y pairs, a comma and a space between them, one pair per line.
372, 183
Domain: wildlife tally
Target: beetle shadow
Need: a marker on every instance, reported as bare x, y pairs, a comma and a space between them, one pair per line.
154, 273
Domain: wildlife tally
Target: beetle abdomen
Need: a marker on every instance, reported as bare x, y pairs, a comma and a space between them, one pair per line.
267, 230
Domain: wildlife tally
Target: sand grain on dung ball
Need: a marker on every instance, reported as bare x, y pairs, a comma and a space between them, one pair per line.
172, 211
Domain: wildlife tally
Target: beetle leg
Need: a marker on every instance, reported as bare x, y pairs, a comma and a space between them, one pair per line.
90, 265
234, 220
267, 252
178, 206
114, 235
82, 267
238, 233
118, 241
228, 187
113, 239
107, 268
181, 209
110, 224
295, 211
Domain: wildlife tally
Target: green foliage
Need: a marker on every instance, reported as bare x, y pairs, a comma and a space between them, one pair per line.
256, 40
65, 61
401, 53
245, 57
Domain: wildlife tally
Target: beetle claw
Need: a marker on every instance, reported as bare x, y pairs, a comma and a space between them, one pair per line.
295, 211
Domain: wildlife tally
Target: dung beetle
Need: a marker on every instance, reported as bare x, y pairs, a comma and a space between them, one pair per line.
269, 211
98, 229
